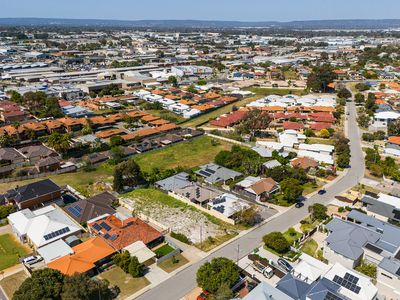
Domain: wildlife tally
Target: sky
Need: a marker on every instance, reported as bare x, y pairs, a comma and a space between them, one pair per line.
230, 10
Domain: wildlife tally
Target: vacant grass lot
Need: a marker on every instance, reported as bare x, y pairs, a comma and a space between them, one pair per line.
276, 91
187, 154
11, 283
10, 251
125, 282
170, 265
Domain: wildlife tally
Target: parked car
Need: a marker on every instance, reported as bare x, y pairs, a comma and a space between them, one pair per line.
203, 295
321, 192
266, 271
285, 265
299, 204
30, 260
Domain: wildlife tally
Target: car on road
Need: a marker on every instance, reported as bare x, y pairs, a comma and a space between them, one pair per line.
30, 260
203, 296
285, 265
299, 204
321, 192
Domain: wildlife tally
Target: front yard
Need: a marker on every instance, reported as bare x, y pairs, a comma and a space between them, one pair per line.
173, 263
127, 284
11, 283
10, 251
310, 247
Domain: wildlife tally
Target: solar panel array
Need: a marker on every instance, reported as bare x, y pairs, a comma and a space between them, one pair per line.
56, 233
331, 296
105, 226
97, 227
348, 281
76, 211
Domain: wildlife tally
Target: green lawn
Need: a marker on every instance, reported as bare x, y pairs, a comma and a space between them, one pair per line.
291, 236
310, 247
167, 115
170, 265
315, 140
290, 75
204, 118
10, 251
125, 282
11, 284
163, 250
310, 187
187, 154
310, 225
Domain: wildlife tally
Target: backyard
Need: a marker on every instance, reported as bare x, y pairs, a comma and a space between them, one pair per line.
204, 230
10, 251
12, 283
127, 284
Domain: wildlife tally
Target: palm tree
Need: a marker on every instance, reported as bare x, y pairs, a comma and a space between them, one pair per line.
59, 142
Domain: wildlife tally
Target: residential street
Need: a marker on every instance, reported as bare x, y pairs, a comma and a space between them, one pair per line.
183, 282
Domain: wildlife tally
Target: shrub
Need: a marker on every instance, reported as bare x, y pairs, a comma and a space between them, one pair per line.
277, 242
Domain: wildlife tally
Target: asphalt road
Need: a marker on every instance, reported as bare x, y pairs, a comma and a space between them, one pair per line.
180, 284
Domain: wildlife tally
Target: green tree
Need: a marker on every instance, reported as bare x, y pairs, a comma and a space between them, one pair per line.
223, 293
173, 81
363, 120
394, 128
359, 98
6, 140
116, 140
367, 269
82, 287
291, 189
43, 284
127, 173
277, 242
320, 77
5, 210
343, 160
59, 142
135, 268
344, 93
324, 133
212, 275
318, 211
362, 87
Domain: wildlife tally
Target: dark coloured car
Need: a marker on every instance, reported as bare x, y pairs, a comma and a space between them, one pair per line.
299, 204
321, 192
285, 265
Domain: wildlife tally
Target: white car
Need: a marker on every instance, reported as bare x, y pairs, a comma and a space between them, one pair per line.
30, 260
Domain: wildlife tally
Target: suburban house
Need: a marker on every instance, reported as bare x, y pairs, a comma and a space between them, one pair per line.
90, 208
174, 182
196, 193
228, 205
120, 233
305, 163
265, 291
36, 153
257, 188
382, 206
365, 238
213, 173
33, 194
86, 257
10, 156
43, 226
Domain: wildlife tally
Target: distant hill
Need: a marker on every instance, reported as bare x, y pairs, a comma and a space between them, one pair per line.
312, 24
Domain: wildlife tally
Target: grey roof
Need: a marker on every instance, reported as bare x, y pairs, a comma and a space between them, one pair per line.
325, 289
381, 208
265, 291
347, 238
392, 265
214, 173
389, 235
262, 151
32, 190
174, 182
10, 154
272, 164
293, 286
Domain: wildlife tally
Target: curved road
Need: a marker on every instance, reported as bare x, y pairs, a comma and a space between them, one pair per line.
183, 282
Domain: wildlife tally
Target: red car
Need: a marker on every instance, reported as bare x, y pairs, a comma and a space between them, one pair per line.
203, 295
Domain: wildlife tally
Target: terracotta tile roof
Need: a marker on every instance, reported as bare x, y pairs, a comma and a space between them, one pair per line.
136, 113
394, 140
320, 126
109, 133
264, 185
73, 121
227, 99
9, 129
53, 124
304, 163
100, 120
84, 258
171, 97
323, 108
159, 122
187, 102
150, 118
32, 126
203, 107
123, 233
225, 121
293, 125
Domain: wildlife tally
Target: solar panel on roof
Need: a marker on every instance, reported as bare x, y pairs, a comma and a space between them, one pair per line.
349, 282
373, 248
97, 227
330, 296
106, 236
105, 226
113, 237
78, 208
74, 212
